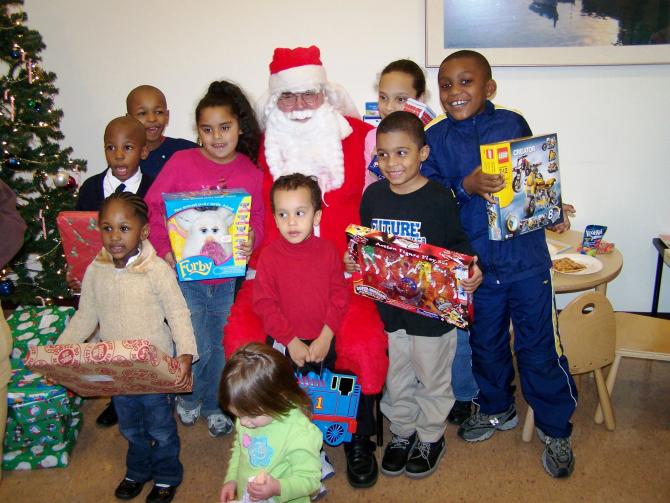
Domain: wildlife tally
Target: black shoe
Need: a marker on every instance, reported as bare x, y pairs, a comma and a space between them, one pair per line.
459, 412
424, 458
108, 416
361, 463
396, 454
161, 494
128, 489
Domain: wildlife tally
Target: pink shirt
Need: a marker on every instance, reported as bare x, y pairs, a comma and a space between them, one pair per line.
190, 170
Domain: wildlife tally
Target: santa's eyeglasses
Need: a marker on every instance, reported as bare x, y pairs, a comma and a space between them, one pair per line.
308, 97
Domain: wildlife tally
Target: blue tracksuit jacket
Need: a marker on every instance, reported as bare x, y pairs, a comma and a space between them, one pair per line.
454, 154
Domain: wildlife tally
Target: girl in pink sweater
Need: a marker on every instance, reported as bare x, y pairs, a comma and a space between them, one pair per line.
230, 135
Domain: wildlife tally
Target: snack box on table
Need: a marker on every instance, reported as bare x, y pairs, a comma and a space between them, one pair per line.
81, 239
531, 199
205, 229
418, 277
129, 367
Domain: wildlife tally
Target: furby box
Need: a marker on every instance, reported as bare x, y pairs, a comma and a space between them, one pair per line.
410, 275
205, 229
531, 199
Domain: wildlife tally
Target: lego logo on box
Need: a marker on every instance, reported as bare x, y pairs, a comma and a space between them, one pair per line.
503, 155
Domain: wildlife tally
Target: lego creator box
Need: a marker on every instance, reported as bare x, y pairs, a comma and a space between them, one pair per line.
531, 198
81, 239
130, 367
205, 229
418, 277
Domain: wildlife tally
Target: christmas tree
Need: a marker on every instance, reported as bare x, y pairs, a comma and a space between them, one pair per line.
33, 163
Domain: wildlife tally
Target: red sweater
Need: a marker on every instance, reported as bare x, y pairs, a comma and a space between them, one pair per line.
299, 288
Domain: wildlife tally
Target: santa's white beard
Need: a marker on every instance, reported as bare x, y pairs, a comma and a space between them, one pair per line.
312, 147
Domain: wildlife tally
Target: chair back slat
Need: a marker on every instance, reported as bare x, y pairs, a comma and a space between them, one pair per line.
588, 332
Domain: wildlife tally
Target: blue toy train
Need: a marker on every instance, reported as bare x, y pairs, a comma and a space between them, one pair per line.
334, 404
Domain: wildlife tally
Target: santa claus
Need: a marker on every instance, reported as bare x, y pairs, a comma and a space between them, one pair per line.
310, 129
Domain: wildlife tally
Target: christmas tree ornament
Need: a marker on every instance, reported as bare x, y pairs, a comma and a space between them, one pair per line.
12, 162
6, 287
61, 179
71, 183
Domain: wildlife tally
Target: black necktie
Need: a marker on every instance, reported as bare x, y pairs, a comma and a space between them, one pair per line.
120, 188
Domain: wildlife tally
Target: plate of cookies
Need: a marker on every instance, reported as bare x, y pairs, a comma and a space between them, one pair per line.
576, 263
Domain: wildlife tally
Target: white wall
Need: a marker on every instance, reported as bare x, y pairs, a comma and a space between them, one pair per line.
613, 122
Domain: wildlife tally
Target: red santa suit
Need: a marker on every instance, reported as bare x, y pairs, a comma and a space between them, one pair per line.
361, 342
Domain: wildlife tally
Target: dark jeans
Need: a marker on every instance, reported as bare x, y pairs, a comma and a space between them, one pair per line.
209, 304
148, 423
365, 417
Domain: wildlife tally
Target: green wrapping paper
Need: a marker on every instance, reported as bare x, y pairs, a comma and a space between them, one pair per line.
31, 399
36, 326
46, 432
45, 456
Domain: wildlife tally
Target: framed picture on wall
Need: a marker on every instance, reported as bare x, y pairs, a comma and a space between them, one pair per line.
550, 32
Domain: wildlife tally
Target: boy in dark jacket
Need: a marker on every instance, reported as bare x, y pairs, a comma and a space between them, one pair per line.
517, 273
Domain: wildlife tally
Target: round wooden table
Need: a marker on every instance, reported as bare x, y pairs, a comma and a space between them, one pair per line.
566, 283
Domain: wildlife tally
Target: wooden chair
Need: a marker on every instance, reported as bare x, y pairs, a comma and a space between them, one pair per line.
588, 334
637, 337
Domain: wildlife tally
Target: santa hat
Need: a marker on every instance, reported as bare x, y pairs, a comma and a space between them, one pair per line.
298, 69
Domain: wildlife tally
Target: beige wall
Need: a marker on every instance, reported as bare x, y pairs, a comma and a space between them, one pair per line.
613, 122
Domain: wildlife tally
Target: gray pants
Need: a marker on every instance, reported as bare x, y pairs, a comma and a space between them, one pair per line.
418, 394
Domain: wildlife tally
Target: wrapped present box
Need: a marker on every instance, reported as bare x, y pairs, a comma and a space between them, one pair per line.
107, 368
31, 399
205, 229
418, 277
45, 455
36, 326
81, 239
46, 431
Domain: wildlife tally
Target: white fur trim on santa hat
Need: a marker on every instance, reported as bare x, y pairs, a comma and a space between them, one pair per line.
298, 78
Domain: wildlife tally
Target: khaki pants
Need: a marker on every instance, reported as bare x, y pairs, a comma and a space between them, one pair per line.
5, 373
418, 394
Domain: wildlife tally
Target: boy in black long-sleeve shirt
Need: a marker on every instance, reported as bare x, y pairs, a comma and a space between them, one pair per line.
418, 394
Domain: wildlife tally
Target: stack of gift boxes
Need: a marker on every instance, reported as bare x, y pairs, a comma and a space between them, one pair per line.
43, 420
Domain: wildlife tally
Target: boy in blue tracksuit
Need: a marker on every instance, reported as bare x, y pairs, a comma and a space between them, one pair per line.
517, 273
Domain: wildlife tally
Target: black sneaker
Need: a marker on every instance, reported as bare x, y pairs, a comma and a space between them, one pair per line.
424, 458
480, 426
459, 412
396, 454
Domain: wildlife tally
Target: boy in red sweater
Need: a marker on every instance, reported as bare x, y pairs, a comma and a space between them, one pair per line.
300, 293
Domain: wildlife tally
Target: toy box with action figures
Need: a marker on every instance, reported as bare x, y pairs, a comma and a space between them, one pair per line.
531, 199
418, 277
205, 229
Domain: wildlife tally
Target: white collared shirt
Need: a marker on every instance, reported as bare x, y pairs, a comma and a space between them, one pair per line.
110, 183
